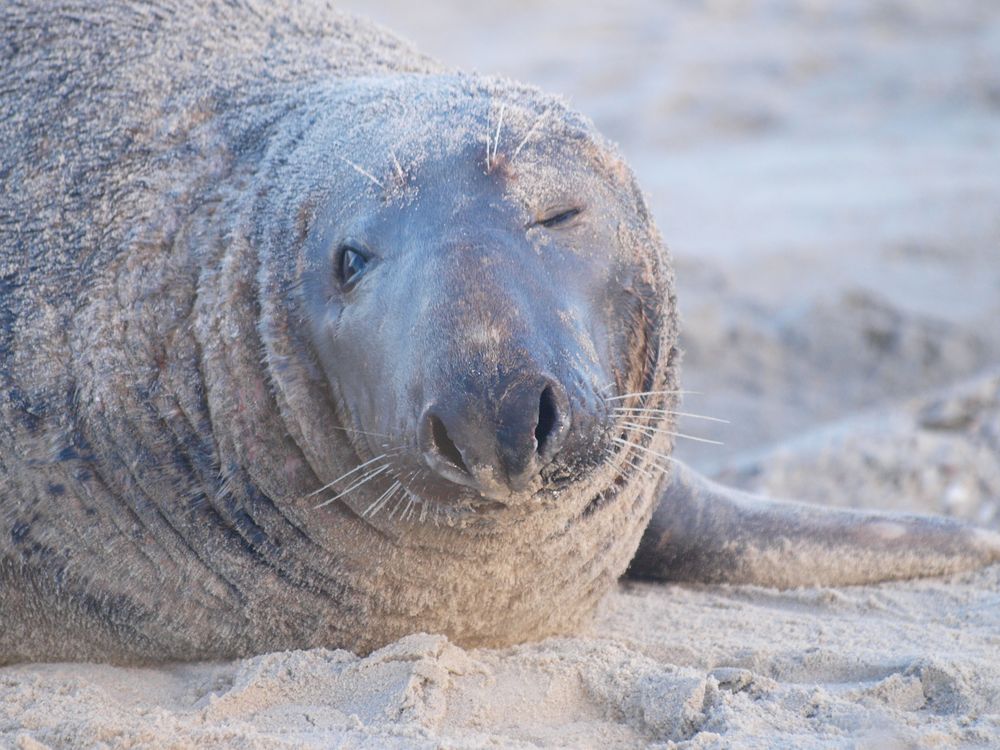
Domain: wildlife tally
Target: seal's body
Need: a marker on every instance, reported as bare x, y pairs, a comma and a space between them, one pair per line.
306, 340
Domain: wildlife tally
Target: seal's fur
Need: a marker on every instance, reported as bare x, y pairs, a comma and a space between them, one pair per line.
160, 427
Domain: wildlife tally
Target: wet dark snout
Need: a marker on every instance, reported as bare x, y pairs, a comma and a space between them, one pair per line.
498, 450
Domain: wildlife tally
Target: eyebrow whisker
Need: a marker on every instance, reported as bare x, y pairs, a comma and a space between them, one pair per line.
496, 138
361, 170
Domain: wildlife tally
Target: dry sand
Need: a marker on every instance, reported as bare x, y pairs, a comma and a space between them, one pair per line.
828, 177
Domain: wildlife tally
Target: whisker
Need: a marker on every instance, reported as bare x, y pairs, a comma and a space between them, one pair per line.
655, 465
644, 449
617, 470
650, 393
637, 467
409, 507
496, 138
631, 462
399, 168
489, 139
636, 410
531, 132
345, 475
362, 171
399, 503
361, 432
386, 501
376, 506
653, 430
366, 478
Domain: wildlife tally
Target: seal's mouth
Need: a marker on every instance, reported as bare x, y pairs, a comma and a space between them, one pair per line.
395, 486
563, 443
464, 504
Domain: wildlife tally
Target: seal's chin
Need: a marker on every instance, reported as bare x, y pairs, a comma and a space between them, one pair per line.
551, 487
481, 496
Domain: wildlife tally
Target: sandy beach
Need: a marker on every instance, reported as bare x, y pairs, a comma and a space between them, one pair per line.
827, 177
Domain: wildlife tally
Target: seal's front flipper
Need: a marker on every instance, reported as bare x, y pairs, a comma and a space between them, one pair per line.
702, 531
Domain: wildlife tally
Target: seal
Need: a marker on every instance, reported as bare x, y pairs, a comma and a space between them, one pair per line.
306, 340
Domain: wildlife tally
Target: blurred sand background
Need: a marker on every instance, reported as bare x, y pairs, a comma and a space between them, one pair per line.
827, 176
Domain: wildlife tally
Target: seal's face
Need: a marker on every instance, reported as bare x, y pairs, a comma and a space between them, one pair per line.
473, 310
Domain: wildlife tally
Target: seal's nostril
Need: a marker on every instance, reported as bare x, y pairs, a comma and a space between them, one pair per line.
496, 446
444, 444
548, 415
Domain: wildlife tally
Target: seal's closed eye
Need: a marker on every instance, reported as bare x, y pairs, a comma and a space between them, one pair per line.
559, 218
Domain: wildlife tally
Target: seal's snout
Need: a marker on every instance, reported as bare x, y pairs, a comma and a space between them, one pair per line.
497, 447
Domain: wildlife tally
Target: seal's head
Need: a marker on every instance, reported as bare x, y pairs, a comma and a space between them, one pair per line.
492, 280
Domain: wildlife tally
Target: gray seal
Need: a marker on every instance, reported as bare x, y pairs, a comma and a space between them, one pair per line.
307, 340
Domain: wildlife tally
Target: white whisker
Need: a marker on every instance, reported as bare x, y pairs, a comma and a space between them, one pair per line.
489, 139
361, 170
531, 132
653, 430
377, 505
631, 462
361, 432
644, 449
397, 506
636, 410
650, 393
615, 469
655, 464
347, 474
637, 467
496, 138
408, 510
399, 167
366, 478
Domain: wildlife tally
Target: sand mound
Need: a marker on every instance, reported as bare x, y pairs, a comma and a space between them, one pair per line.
900, 665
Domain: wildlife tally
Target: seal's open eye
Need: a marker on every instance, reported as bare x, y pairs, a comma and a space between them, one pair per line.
559, 217
351, 264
